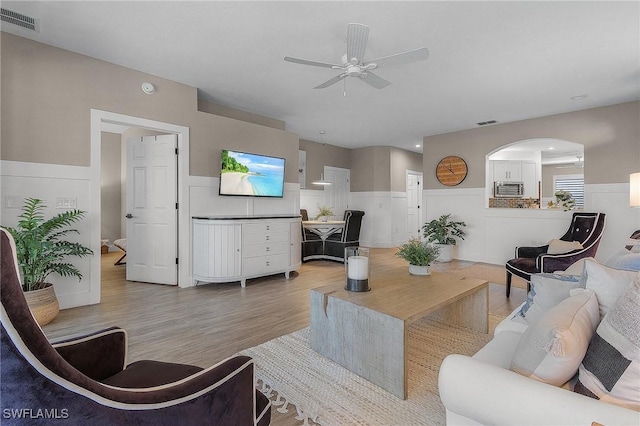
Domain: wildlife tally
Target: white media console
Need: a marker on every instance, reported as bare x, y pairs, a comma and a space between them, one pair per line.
236, 248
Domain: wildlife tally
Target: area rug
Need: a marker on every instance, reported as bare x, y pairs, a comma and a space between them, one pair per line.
322, 392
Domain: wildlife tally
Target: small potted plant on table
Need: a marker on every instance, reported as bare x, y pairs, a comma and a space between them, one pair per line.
324, 213
419, 254
41, 250
443, 232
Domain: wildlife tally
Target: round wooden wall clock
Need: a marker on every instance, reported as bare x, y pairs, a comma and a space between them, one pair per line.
451, 170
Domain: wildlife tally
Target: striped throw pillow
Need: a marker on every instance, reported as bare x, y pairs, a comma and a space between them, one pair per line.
610, 371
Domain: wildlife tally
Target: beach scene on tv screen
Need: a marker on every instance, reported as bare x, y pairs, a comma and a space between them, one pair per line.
251, 174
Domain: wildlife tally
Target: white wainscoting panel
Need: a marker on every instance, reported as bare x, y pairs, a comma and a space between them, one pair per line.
311, 200
50, 182
378, 222
622, 220
493, 234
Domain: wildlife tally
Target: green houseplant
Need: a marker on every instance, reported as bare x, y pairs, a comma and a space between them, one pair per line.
419, 254
323, 213
41, 250
443, 232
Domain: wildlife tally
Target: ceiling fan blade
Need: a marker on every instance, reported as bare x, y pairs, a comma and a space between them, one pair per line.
402, 58
357, 35
312, 63
374, 80
332, 81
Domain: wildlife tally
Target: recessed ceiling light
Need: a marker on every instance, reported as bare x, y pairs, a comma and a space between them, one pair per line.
550, 148
418, 145
578, 97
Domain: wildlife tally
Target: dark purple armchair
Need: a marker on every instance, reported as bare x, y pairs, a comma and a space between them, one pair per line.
586, 228
86, 380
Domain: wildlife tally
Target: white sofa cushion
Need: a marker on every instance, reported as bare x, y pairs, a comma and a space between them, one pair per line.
552, 349
608, 283
625, 259
610, 370
547, 290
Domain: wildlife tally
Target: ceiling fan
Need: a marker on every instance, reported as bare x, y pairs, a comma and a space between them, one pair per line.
354, 65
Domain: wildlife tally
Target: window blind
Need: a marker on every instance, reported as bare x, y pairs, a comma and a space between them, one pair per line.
574, 184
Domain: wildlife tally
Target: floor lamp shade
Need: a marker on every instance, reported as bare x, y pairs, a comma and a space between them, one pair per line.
634, 189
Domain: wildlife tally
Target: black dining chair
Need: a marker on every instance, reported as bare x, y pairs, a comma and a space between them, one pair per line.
335, 244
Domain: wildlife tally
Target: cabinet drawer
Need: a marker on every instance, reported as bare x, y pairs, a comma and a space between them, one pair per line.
265, 265
265, 237
265, 249
265, 227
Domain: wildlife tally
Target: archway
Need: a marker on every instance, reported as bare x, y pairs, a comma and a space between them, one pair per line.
541, 165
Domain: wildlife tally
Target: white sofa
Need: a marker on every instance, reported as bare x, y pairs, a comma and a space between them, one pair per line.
482, 390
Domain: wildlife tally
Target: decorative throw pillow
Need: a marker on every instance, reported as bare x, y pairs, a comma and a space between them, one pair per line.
624, 259
552, 349
561, 247
547, 290
607, 283
610, 370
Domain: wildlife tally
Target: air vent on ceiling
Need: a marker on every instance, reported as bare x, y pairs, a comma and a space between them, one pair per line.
484, 123
19, 19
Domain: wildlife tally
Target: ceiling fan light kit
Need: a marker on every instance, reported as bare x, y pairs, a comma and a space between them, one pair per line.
353, 64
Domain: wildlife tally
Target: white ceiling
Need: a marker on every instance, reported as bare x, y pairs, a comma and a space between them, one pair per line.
503, 61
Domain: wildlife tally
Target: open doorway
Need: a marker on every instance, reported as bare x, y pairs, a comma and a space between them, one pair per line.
98, 120
138, 197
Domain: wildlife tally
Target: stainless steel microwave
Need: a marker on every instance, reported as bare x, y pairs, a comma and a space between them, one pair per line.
508, 189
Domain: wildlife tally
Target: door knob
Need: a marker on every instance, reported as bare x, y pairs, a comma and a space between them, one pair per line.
129, 216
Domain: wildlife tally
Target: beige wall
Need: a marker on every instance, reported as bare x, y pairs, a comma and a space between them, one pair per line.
236, 114
401, 161
47, 95
610, 135
320, 155
371, 169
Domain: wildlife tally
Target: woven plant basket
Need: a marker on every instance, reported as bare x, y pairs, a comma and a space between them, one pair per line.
43, 304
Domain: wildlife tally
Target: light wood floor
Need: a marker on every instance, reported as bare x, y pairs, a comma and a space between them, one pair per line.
206, 324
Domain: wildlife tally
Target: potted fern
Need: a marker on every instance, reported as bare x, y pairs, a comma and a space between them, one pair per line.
443, 233
41, 250
419, 254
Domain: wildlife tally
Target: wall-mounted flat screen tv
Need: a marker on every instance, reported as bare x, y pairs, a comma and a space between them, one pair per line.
251, 175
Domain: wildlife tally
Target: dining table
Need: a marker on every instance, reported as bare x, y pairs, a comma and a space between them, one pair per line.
323, 229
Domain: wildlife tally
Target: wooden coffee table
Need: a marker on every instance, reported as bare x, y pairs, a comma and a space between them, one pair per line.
367, 332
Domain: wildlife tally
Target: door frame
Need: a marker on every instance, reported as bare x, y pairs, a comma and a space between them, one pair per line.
420, 199
98, 117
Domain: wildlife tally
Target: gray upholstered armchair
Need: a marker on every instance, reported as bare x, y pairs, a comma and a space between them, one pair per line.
586, 228
86, 380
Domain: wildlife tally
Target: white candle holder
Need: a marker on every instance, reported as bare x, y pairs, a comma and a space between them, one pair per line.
356, 268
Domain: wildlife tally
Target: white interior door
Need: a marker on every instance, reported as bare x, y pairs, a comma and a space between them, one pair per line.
151, 209
414, 198
336, 195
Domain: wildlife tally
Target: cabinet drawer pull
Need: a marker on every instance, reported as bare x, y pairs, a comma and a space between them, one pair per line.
267, 237
267, 263
268, 249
